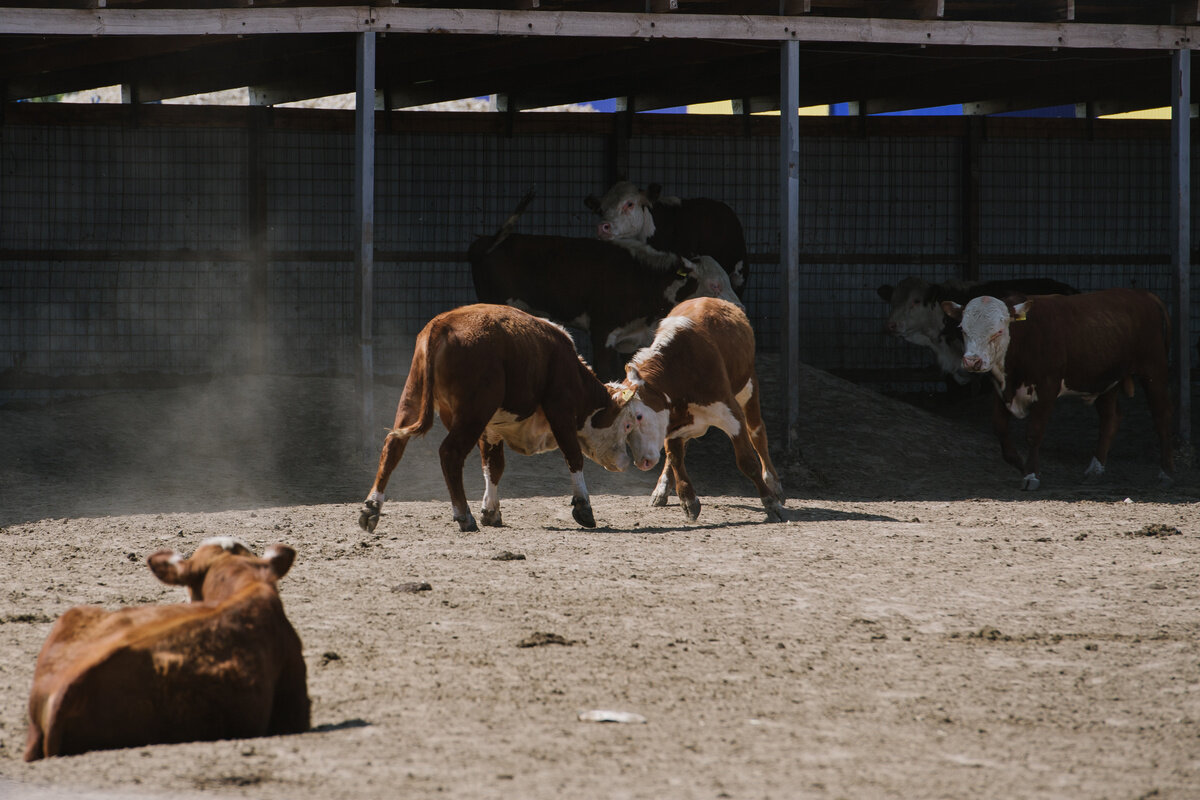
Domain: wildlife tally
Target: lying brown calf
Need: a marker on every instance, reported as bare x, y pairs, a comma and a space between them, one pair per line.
699, 372
226, 665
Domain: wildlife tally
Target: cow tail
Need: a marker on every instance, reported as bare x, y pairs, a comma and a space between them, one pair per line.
418, 388
511, 222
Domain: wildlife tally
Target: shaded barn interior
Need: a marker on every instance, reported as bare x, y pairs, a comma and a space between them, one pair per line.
184, 241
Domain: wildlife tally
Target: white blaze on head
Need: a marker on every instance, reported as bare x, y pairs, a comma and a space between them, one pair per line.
649, 427
606, 446
711, 280
228, 543
985, 322
625, 214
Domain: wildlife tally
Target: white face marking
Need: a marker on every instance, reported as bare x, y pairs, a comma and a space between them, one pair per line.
647, 434
985, 322
607, 446
736, 276
625, 214
712, 281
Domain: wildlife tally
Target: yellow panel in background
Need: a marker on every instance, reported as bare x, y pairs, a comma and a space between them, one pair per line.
1145, 113
726, 107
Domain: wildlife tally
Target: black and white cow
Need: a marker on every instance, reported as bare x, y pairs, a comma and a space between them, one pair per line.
616, 291
690, 227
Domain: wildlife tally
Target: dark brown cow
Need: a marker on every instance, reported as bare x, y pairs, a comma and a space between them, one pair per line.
497, 376
699, 372
226, 665
615, 291
1052, 345
691, 227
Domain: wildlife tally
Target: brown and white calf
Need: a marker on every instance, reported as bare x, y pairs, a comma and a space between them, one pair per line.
917, 316
226, 665
616, 291
690, 227
1091, 345
699, 373
497, 375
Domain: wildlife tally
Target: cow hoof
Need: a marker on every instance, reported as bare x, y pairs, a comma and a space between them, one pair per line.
691, 508
774, 509
1030, 483
581, 510
368, 518
1094, 472
467, 524
658, 499
491, 519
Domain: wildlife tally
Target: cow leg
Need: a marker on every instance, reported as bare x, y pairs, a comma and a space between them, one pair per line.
1000, 427
393, 449
1035, 429
758, 438
1110, 416
1160, 411
662, 489
33, 743
676, 450
562, 425
464, 433
492, 456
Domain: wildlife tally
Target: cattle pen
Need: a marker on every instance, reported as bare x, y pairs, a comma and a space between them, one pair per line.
207, 314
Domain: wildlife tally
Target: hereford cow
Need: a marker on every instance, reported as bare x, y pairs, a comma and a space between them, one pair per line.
693, 227
497, 376
1087, 344
616, 291
699, 372
917, 314
225, 665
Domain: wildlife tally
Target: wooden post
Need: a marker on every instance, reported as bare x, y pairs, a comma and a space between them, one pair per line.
1181, 242
789, 240
364, 250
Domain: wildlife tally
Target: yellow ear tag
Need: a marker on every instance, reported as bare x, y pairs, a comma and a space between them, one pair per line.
681, 272
625, 395
1019, 318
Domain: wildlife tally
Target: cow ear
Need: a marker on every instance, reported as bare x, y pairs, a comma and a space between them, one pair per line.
1020, 310
280, 558
592, 202
653, 192
633, 377
885, 292
952, 309
169, 567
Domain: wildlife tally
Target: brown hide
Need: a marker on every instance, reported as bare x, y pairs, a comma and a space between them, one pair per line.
226, 666
474, 362
1096, 344
701, 360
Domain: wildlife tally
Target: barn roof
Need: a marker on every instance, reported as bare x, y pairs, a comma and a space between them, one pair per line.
885, 55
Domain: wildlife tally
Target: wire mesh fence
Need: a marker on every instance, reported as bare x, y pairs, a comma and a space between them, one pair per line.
179, 243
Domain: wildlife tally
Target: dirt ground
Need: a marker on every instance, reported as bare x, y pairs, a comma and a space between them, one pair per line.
916, 628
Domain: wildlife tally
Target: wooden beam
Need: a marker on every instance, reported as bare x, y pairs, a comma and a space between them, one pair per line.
756, 28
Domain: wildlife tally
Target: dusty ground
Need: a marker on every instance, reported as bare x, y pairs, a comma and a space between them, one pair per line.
916, 628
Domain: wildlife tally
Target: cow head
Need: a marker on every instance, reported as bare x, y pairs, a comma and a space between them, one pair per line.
985, 325
650, 423
603, 435
711, 280
624, 213
914, 316
220, 567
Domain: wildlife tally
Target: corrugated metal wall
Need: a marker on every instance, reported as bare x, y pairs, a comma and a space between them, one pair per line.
186, 242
